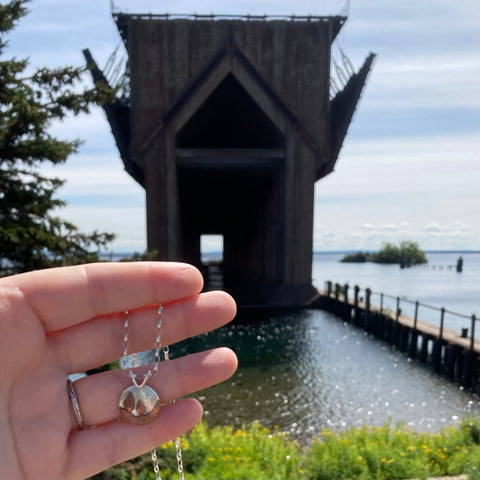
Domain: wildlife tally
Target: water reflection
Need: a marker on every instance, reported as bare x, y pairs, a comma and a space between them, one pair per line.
304, 371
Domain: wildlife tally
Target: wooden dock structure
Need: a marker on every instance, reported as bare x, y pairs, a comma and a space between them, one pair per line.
227, 122
453, 354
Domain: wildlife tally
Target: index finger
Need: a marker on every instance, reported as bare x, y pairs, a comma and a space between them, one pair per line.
65, 296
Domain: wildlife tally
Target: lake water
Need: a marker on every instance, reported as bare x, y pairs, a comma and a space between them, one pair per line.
306, 370
433, 284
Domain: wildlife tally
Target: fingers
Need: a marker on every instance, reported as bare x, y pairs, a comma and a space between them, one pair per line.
98, 395
117, 442
101, 340
63, 297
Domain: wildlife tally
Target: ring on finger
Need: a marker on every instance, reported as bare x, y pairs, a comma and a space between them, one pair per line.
76, 406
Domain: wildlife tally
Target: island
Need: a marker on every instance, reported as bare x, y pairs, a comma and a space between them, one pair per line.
406, 254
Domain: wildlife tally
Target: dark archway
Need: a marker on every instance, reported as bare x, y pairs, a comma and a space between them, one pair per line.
230, 118
230, 169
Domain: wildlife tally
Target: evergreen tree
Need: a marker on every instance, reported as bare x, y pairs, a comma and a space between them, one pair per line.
31, 235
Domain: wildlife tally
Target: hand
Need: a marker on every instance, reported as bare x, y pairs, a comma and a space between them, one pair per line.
68, 320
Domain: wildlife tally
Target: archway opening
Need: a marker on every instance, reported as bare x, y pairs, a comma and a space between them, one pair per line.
211, 248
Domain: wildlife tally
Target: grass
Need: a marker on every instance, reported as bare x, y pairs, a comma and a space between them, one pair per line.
254, 452
395, 453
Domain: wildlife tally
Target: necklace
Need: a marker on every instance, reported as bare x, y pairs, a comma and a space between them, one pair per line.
140, 404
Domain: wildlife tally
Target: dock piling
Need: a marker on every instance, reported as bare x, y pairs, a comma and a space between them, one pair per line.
455, 355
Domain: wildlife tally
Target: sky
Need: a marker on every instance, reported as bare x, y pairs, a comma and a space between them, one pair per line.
409, 168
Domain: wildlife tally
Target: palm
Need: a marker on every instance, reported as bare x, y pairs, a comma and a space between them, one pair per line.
40, 422
55, 323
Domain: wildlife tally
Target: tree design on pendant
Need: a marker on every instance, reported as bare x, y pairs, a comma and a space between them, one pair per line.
139, 405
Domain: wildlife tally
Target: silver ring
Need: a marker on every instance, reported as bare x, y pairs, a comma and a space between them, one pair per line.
76, 406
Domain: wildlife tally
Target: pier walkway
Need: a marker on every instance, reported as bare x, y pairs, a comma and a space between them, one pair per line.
454, 354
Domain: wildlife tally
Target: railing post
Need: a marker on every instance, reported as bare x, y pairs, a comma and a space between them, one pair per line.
415, 317
381, 303
397, 313
355, 303
442, 316
413, 346
345, 301
368, 293
337, 294
472, 329
329, 288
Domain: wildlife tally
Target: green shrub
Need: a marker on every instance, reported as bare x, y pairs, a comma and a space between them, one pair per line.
394, 453
389, 253
358, 257
250, 452
407, 253
254, 452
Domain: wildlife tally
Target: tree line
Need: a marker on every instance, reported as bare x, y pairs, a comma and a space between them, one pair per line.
405, 254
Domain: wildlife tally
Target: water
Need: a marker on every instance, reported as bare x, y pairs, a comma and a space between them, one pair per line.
457, 292
306, 370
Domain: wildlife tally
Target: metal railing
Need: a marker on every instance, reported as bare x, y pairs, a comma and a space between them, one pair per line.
211, 16
396, 307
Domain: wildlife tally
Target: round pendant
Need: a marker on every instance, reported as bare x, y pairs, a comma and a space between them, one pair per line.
139, 405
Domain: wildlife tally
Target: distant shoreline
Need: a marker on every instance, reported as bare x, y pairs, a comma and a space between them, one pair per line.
316, 252
374, 251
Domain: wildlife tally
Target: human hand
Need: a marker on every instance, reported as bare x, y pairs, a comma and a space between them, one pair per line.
68, 320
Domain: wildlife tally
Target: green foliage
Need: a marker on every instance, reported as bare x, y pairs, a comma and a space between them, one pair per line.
255, 452
245, 453
411, 254
394, 453
31, 235
407, 253
389, 253
358, 257
146, 256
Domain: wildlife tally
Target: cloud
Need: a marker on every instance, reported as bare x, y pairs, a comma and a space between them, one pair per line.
432, 236
432, 227
388, 227
128, 223
433, 82
409, 162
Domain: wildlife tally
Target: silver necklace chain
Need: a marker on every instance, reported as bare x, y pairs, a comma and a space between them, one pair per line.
128, 366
